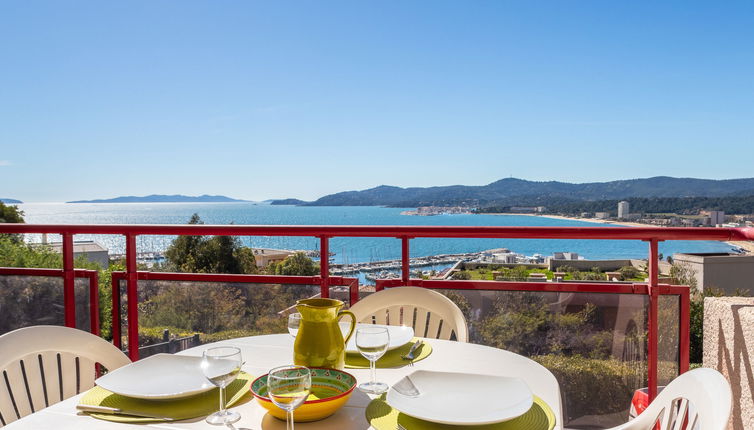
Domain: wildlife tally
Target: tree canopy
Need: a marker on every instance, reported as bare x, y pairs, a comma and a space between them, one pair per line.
296, 264
209, 254
11, 214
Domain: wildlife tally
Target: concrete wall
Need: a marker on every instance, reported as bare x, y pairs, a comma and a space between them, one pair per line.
473, 265
100, 257
723, 271
729, 348
604, 265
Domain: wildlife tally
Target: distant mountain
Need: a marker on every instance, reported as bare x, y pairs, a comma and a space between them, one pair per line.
743, 193
512, 191
162, 198
11, 201
296, 202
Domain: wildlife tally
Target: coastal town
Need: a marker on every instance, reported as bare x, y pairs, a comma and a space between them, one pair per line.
621, 216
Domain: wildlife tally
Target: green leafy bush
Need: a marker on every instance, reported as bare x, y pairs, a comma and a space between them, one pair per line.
594, 386
599, 386
152, 335
629, 272
523, 323
461, 275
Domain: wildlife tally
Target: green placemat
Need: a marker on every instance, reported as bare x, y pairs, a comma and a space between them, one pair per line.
391, 358
383, 417
199, 405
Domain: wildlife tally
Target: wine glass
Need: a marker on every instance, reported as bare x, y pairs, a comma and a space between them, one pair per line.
294, 320
372, 343
288, 388
221, 366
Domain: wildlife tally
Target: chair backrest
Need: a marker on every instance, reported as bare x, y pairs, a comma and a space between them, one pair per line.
698, 399
430, 313
42, 365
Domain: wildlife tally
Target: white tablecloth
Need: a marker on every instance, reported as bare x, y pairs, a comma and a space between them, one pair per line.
262, 353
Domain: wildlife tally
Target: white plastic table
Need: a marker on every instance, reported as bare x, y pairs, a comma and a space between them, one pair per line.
262, 353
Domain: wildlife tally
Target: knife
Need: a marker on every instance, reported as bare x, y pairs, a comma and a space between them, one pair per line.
119, 411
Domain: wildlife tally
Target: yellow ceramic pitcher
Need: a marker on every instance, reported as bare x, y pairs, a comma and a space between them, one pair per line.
319, 342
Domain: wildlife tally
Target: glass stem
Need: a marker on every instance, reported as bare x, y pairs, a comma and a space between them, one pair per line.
373, 368
222, 400
289, 421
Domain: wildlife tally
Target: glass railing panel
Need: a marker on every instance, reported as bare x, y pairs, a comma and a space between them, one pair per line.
83, 308
32, 300
668, 345
594, 344
176, 315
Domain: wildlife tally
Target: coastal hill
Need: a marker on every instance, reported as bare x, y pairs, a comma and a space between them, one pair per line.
162, 198
281, 202
10, 201
513, 191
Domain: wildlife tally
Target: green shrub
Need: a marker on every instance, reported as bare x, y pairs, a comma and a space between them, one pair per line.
629, 272
592, 386
227, 334
599, 386
152, 335
587, 276
523, 323
462, 275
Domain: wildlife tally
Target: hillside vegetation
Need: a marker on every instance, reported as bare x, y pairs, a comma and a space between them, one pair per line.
512, 191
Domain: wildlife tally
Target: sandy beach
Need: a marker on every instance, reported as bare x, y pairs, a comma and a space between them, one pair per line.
747, 246
594, 220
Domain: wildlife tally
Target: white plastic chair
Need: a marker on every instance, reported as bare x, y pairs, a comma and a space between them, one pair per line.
430, 313
699, 399
43, 365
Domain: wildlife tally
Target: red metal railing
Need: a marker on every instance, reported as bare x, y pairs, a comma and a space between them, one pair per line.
132, 291
651, 235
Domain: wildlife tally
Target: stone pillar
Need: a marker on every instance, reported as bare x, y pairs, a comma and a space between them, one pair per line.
729, 348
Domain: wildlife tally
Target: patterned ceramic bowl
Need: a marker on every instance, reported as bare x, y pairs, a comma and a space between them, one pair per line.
331, 389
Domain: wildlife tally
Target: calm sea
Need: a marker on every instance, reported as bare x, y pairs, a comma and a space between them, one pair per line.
348, 250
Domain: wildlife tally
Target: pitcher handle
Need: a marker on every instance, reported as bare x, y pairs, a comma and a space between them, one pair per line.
353, 323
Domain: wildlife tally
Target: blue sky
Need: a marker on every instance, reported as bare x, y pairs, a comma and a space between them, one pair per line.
261, 100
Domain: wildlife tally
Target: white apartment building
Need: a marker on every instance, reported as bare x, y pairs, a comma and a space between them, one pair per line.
715, 217
623, 209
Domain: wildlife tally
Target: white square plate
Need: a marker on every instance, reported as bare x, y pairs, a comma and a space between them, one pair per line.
161, 376
399, 335
462, 398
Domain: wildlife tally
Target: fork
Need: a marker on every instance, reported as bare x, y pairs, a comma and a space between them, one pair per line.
410, 354
400, 427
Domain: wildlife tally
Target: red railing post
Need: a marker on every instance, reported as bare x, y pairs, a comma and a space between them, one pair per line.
652, 338
132, 298
684, 343
353, 290
94, 302
405, 260
115, 285
324, 266
69, 299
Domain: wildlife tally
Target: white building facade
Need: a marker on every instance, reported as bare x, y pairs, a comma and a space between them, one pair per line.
623, 209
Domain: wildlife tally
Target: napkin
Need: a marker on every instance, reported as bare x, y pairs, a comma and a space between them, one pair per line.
355, 360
